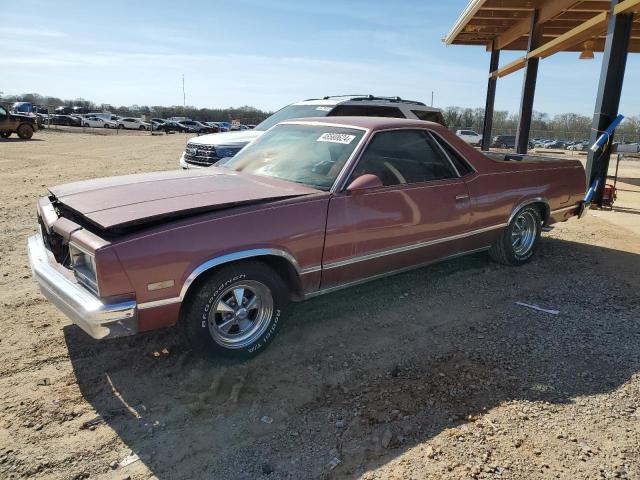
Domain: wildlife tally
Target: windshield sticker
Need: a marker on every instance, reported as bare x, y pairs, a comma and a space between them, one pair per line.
336, 138
324, 109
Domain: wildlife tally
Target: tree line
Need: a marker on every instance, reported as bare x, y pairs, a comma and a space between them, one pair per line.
246, 114
564, 126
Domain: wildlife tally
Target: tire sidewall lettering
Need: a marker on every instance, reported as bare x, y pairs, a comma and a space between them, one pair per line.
209, 303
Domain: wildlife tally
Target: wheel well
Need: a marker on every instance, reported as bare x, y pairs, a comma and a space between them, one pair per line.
543, 208
278, 264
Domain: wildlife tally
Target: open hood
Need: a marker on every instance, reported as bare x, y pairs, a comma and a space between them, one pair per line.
117, 202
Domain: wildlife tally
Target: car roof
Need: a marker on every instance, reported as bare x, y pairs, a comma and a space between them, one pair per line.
370, 123
333, 100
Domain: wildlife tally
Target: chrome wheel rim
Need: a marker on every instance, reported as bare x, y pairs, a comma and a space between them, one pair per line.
523, 233
240, 314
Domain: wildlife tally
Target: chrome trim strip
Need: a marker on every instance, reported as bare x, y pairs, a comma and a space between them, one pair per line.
98, 319
407, 248
560, 210
317, 293
159, 303
308, 270
232, 257
524, 204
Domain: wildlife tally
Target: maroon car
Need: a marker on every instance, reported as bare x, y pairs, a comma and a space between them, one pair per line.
311, 206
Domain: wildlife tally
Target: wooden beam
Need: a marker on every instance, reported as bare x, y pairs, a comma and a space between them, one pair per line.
574, 36
627, 6
546, 12
634, 45
509, 68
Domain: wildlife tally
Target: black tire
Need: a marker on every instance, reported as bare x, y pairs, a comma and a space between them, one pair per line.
202, 324
106, 125
504, 251
25, 131
142, 127
5, 134
120, 127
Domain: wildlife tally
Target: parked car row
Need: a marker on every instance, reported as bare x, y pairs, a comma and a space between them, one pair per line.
577, 145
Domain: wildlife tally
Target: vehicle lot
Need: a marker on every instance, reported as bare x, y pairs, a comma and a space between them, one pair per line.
430, 374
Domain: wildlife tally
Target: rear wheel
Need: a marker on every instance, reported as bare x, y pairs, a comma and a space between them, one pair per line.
518, 242
236, 312
25, 131
120, 127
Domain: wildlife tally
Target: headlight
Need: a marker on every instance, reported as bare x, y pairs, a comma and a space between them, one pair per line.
84, 266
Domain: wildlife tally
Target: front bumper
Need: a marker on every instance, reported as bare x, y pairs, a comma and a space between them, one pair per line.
98, 319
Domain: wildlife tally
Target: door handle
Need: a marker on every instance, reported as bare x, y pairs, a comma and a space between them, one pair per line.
460, 198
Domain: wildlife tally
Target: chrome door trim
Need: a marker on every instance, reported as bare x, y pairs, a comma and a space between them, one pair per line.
407, 248
392, 272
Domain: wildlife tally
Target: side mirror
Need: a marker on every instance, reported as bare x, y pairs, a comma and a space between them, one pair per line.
364, 182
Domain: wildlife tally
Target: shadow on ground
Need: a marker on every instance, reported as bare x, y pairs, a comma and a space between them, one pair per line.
18, 140
403, 358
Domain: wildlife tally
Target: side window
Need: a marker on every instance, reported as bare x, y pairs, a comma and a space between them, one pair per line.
403, 157
460, 163
366, 111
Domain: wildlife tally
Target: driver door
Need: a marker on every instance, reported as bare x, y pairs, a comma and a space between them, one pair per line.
412, 219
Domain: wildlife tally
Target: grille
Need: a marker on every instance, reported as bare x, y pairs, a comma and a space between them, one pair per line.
206, 155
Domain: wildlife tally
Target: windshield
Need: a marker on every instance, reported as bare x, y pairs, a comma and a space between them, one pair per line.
294, 111
309, 154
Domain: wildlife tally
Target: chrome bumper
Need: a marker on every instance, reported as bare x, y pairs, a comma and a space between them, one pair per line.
96, 318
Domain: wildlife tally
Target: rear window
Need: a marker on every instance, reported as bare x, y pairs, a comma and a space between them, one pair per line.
366, 111
429, 116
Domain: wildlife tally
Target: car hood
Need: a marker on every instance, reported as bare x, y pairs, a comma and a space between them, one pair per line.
118, 202
241, 137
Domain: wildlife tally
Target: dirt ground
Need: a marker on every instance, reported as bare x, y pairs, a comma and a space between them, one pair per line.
435, 373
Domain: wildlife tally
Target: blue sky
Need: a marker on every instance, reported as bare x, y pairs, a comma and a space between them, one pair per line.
268, 53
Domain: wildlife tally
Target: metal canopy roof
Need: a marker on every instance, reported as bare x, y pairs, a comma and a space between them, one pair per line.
567, 24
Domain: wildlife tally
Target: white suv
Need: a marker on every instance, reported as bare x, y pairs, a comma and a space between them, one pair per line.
469, 136
206, 150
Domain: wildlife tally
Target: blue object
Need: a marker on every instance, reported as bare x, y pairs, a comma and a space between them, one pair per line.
591, 191
602, 139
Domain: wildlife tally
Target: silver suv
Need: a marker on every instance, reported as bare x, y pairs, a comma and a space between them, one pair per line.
207, 150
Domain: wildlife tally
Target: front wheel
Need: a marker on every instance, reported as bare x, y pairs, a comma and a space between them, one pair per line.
5, 134
236, 312
518, 242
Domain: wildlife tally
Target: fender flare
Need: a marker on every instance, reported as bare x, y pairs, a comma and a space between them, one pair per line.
530, 201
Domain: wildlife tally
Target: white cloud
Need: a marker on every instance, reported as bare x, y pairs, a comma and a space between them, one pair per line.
30, 32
